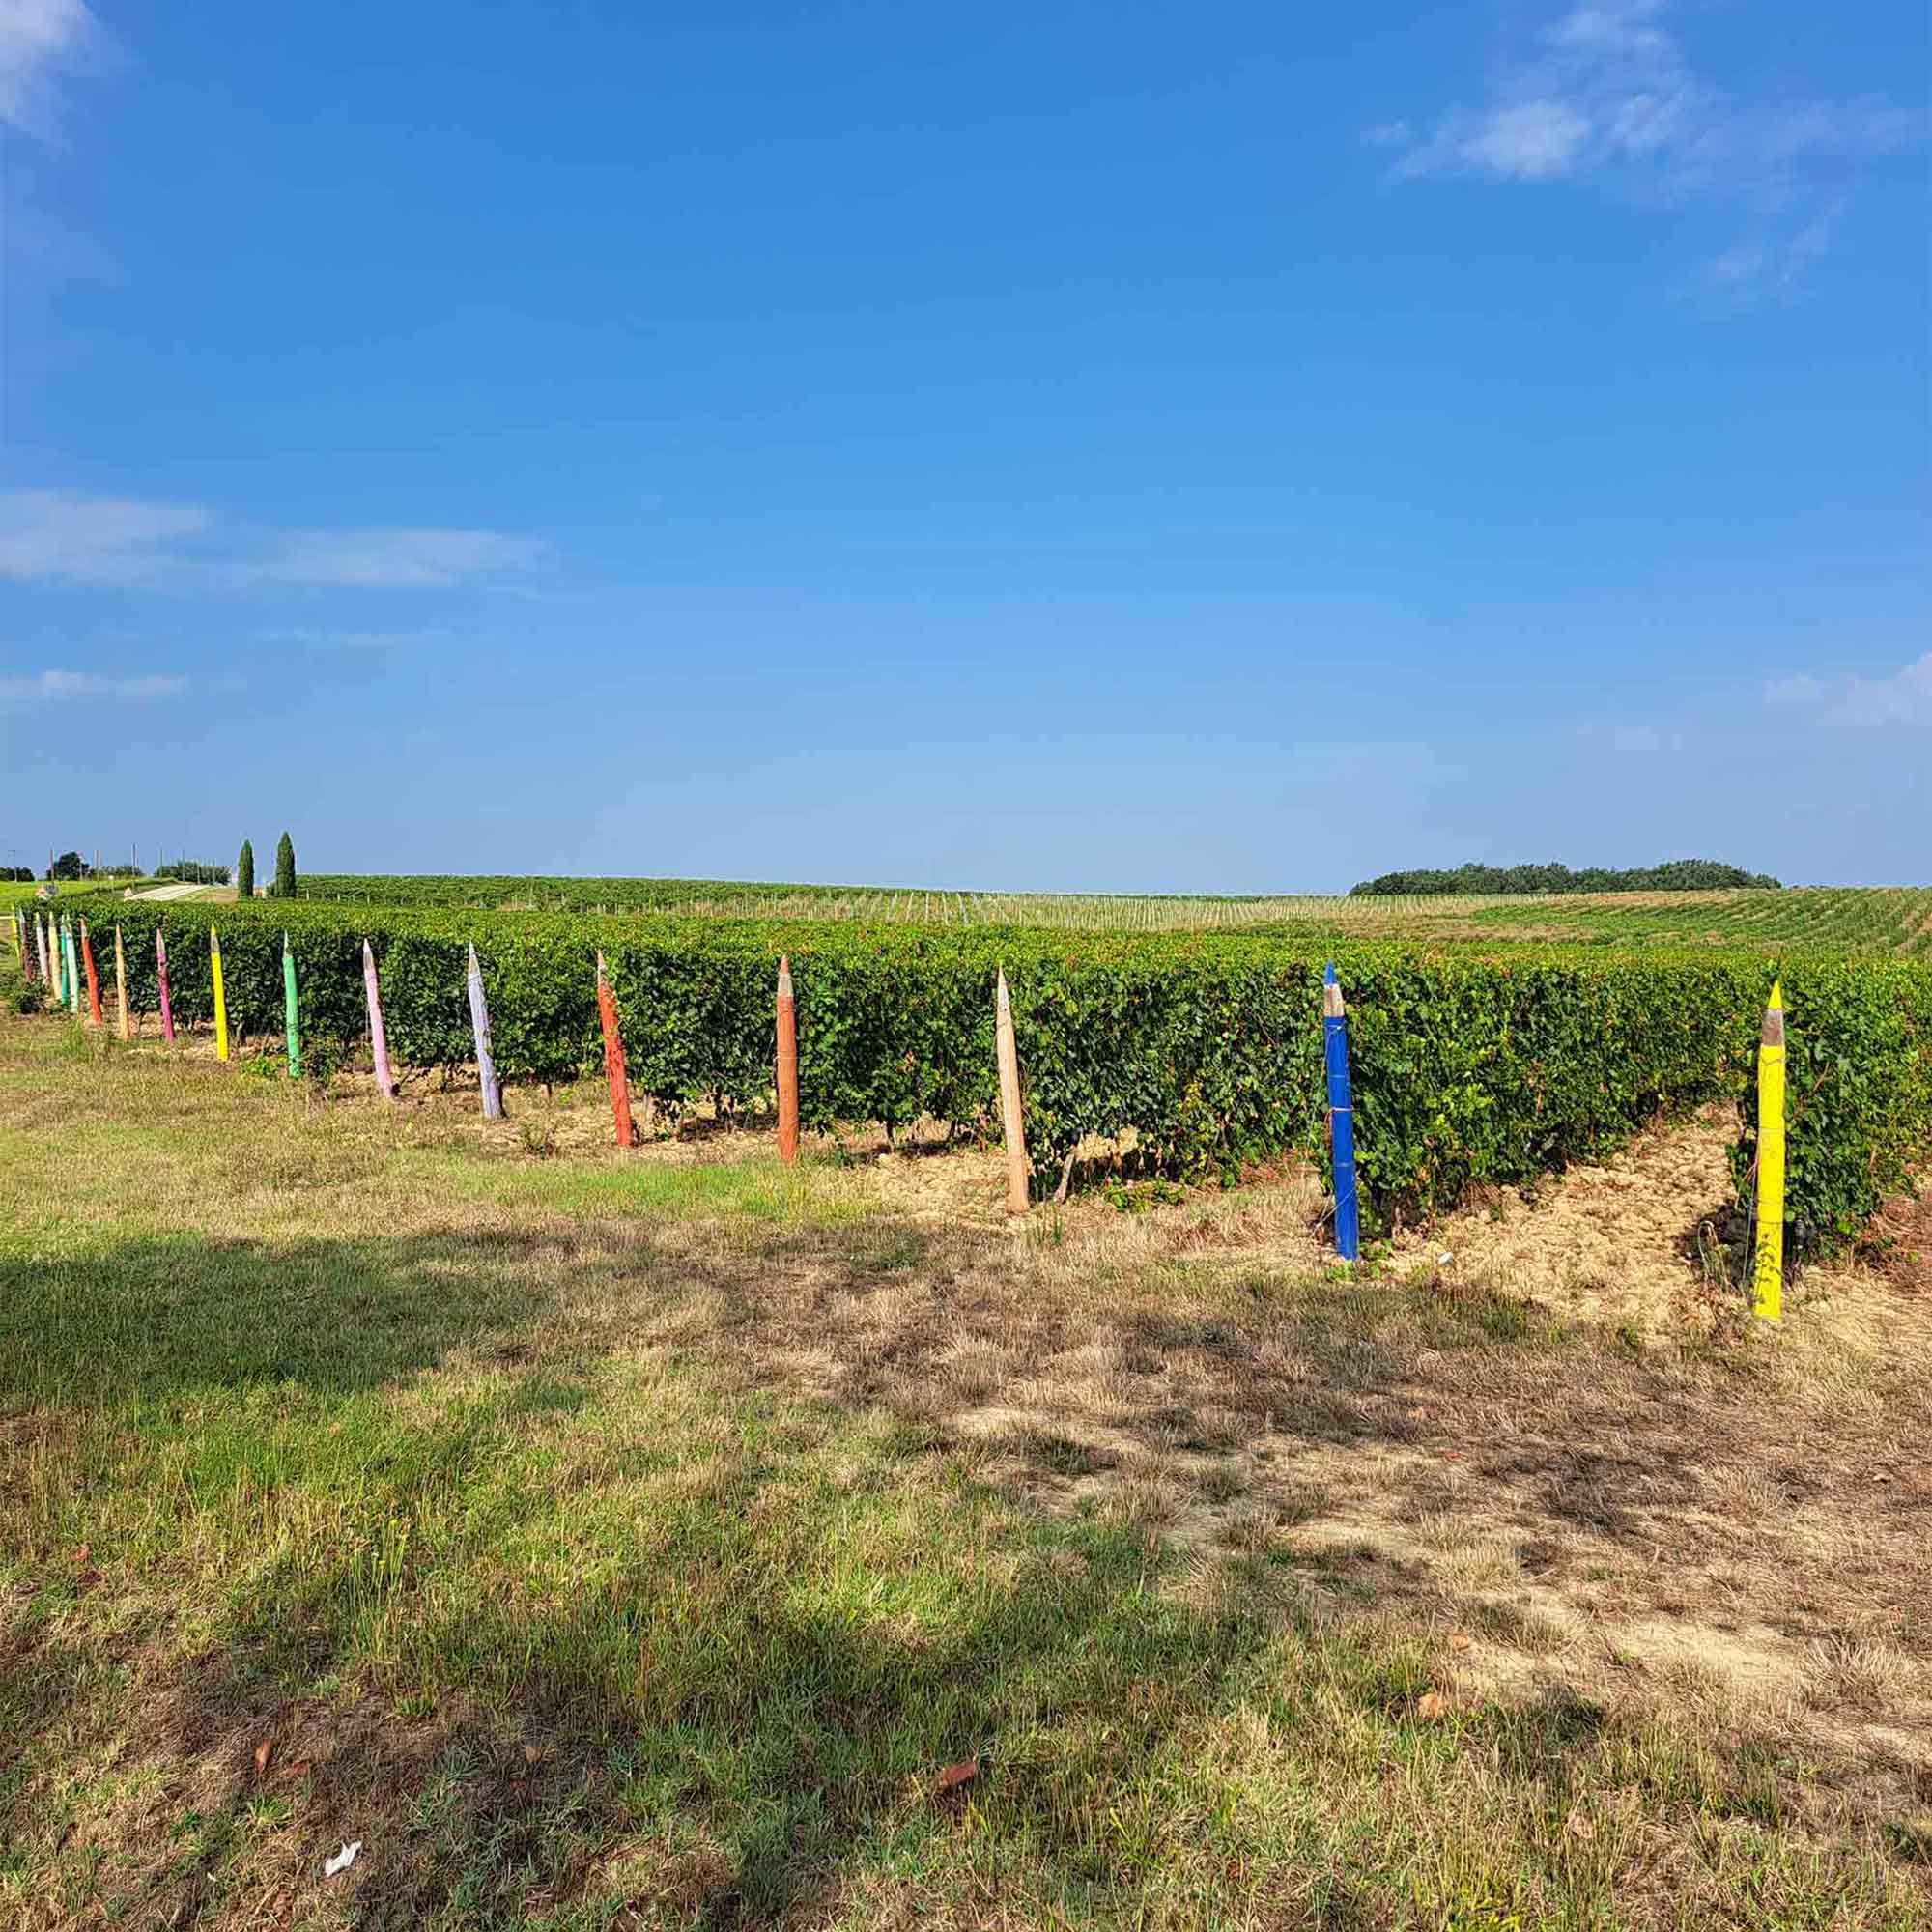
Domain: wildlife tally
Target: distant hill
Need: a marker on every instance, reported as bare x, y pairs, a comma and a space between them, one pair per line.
1679, 876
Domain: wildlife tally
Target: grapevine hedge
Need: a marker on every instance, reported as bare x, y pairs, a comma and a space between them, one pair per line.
1468, 1066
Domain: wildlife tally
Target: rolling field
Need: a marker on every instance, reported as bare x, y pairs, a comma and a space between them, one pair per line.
1853, 919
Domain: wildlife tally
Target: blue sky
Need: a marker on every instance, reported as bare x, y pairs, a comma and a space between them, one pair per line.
1229, 447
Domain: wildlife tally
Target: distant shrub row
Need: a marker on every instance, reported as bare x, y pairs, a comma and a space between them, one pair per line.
1468, 1068
1678, 875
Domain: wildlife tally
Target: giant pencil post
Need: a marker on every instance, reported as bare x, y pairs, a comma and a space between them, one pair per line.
291, 1019
46, 954
613, 1058
93, 977
121, 983
1012, 1127
787, 1028
479, 1020
220, 995
161, 986
1341, 1115
72, 970
379, 1043
1768, 1260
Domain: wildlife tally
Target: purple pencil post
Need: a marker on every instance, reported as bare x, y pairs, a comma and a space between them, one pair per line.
486, 1064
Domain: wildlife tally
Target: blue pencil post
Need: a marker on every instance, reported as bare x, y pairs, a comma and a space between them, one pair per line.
486, 1064
1341, 1115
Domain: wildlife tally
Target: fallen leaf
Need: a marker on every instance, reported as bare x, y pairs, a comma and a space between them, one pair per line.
342, 1859
299, 1769
1459, 1641
1579, 1826
81, 1555
1432, 1704
261, 1751
1452, 1454
531, 1755
955, 1775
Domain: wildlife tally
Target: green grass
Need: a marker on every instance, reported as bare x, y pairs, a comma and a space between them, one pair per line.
420, 1464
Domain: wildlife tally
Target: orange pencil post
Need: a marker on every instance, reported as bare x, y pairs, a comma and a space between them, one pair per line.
93, 977
787, 1067
1011, 1127
613, 1058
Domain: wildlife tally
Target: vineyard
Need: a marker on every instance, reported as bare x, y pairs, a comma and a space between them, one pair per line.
1201, 1052
1857, 918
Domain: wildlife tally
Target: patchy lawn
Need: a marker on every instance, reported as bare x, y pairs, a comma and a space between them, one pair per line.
608, 1541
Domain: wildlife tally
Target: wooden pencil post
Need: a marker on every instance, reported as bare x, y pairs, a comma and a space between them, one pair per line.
1011, 1127
161, 987
1768, 1260
479, 1021
379, 1043
72, 969
121, 983
787, 1028
613, 1058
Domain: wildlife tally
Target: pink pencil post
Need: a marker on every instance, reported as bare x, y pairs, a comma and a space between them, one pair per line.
379, 1043
161, 980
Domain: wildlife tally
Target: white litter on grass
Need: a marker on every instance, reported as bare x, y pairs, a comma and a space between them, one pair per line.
343, 1859
1442, 1260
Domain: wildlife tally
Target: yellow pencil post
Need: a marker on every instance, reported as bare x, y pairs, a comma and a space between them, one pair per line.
120, 982
1768, 1261
220, 997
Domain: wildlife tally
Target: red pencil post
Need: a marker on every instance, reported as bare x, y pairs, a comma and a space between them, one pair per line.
613, 1060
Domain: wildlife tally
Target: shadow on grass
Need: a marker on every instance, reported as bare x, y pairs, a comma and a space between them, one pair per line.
170, 1315
698, 1658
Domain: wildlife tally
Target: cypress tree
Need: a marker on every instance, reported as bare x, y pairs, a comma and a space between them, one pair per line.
245, 872
285, 869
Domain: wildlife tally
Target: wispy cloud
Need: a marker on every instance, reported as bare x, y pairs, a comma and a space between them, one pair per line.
1903, 697
324, 638
51, 536
125, 543
55, 686
1606, 91
41, 41
371, 559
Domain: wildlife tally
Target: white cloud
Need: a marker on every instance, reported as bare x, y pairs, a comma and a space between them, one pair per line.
1607, 90
350, 640
368, 558
54, 536
53, 686
1904, 696
125, 543
38, 41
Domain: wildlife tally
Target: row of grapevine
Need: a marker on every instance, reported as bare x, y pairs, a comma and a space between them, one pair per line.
1853, 919
1469, 1067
